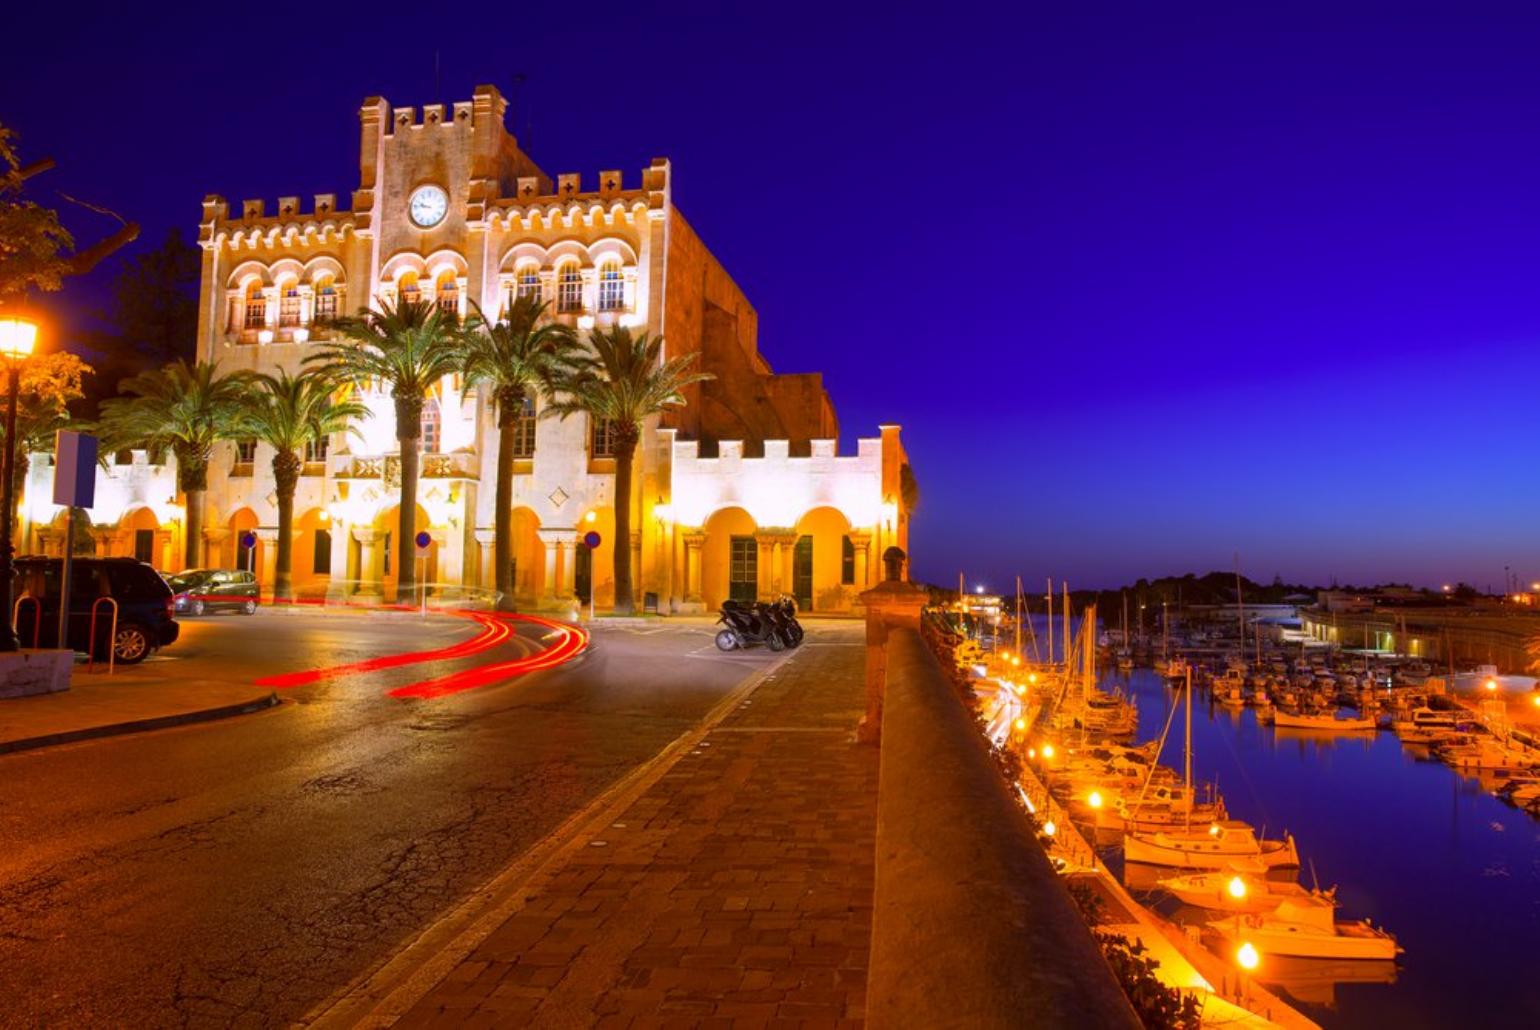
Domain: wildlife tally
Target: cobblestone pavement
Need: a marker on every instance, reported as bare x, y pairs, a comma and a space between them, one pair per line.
736, 891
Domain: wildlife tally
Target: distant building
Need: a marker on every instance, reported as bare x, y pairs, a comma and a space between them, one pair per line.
739, 494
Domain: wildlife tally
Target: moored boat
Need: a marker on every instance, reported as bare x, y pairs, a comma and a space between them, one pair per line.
1305, 931
1213, 847
1322, 721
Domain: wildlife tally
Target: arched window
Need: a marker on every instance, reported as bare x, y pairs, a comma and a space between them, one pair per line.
325, 299
431, 425
407, 288
288, 305
529, 282
524, 430
448, 292
612, 288
569, 288
256, 306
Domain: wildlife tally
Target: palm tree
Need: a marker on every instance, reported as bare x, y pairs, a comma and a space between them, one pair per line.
624, 380
289, 412
408, 346
516, 357
185, 409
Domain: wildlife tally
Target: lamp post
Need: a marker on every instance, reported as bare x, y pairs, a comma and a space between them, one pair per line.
17, 338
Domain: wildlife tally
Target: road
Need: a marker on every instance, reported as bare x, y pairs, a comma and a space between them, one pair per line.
239, 873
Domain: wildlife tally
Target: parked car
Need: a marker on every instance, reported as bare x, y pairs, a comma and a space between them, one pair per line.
211, 590
144, 609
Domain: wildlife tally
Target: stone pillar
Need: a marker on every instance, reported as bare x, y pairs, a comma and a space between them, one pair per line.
888, 604
165, 549
548, 585
568, 563
213, 545
369, 587
486, 539
788, 564
560, 564
267, 575
860, 542
694, 541
765, 541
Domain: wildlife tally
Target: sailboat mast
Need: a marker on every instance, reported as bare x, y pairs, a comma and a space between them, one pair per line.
1165, 633
1240, 607
1018, 616
1065, 585
1187, 749
1050, 622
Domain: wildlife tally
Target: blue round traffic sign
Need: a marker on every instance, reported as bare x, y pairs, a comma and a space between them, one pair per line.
424, 538
248, 540
591, 540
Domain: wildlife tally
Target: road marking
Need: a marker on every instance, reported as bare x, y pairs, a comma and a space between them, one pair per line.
383, 996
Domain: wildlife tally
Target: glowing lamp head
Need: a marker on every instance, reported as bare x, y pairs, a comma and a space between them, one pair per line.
1213, 831
1020, 725
1236, 887
1049, 829
1047, 750
17, 337
591, 517
1015, 660
1020, 690
1095, 800
1031, 752
1490, 684
1535, 700
1247, 957
1032, 678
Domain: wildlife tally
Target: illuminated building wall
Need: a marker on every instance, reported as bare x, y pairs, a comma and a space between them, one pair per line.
449, 209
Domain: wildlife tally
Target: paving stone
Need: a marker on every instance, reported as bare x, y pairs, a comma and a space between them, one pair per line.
739, 893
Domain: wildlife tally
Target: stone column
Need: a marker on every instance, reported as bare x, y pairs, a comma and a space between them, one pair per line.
560, 564
788, 564
765, 541
213, 545
568, 564
694, 540
369, 587
267, 575
860, 542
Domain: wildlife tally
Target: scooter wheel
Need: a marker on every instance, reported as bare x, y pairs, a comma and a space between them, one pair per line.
726, 640
775, 643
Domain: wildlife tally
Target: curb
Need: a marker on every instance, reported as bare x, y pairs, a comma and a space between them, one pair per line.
161, 722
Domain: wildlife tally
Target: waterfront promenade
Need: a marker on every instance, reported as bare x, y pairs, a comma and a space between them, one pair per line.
737, 887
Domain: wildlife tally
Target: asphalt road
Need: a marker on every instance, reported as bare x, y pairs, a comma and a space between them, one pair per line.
241, 872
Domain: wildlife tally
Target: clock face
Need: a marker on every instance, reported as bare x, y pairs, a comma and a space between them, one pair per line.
428, 206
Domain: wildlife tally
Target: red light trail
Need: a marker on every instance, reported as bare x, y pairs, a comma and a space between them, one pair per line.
496, 629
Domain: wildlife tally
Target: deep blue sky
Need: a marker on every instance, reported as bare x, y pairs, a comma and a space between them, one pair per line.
1145, 284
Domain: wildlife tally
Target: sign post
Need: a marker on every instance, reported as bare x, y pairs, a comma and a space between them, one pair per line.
249, 543
591, 540
424, 540
74, 486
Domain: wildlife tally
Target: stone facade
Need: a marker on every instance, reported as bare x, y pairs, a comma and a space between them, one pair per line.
449, 209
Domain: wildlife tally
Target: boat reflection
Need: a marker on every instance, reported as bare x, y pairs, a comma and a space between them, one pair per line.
1313, 981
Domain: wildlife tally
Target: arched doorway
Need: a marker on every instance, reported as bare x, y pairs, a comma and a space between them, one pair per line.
311, 571
594, 570
386, 554
528, 557
729, 558
139, 537
233, 555
822, 569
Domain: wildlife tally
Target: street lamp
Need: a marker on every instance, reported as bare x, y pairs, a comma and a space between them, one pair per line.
17, 338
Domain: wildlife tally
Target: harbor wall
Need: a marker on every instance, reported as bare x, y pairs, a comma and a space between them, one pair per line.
970, 924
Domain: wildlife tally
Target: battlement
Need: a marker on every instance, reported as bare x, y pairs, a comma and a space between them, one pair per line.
322, 205
610, 185
777, 488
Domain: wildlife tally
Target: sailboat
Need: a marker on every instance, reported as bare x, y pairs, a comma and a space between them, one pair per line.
1234, 892
1216, 846
1326, 721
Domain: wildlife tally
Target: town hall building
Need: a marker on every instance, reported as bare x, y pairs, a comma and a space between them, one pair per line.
740, 493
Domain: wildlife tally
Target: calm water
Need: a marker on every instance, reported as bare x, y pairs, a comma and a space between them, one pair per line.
1450, 870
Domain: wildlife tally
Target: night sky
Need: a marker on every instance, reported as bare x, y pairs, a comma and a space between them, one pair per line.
1146, 285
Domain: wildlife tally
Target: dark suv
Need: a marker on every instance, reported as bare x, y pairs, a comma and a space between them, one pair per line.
143, 598
210, 590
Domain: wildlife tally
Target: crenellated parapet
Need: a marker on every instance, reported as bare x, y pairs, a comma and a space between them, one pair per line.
777, 489
292, 223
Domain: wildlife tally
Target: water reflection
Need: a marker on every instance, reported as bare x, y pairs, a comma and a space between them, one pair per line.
1409, 843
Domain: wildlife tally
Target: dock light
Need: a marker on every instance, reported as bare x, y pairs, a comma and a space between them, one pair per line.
1536, 700
1236, 887
1020, 690
1213, 831
1095, 800
1049, 829
1491, 684
1246, 956
1031, 752
1015, 660
1047, 750
1032, 678
1021, 725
